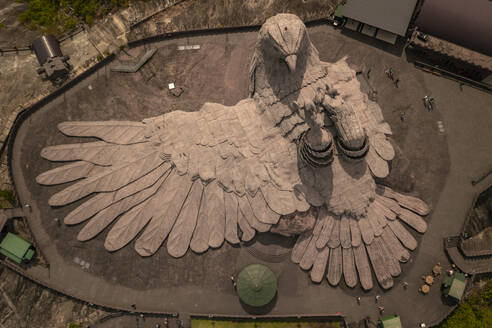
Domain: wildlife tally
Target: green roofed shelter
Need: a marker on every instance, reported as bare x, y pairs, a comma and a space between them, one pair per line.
392, 321
454, 286
256, 285
16, 248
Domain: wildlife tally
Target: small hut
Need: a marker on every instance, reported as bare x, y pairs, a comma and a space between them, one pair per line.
453, 286
16, 248
256, 285
392, 321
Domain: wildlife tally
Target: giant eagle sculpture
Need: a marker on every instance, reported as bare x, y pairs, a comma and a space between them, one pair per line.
306, 139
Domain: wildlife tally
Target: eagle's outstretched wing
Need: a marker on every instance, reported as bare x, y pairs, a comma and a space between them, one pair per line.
350, 246
192, 178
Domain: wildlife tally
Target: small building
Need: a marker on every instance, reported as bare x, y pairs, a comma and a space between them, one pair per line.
53, 63
382, 19
16, 248
454, 286
392, 321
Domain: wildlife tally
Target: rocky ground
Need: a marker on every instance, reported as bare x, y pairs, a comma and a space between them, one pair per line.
25, 304
12, 32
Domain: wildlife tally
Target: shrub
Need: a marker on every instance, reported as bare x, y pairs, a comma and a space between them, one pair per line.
474, 312
61, 15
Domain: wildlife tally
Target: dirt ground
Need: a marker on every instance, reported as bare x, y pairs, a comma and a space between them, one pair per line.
25, 305
12, 32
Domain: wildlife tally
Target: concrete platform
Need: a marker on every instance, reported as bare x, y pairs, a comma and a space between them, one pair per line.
438, 166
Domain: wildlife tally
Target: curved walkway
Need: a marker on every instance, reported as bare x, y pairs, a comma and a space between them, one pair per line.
466, 117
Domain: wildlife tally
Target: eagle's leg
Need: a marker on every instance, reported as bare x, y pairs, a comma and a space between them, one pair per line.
316, 147
351, 138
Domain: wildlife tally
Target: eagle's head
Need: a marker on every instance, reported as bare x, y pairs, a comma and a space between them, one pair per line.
284, 57
282, 38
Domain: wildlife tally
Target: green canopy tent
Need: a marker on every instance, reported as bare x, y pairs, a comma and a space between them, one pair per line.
256, 285
16, 248
454, 286
392, 321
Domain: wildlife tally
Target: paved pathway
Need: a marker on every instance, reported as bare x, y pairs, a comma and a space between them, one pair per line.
466, 117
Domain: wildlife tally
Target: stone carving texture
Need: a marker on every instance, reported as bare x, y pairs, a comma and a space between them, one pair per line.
224, 173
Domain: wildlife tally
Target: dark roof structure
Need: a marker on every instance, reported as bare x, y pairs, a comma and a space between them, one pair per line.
453, 50
392, 16
466, 23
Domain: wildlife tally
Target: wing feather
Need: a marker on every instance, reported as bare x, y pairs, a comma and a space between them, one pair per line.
216, 214
379, 264
325, 233
102, 200
247, 211
379, 167
118, 132
112, 180
171, 201
247, 232
403, 235
300, 246
349, 270
382, 146
334, 240
335, 266
366, 230
129, 225
374, 222
103, 218
345, 232
399, 252
280, 201
412, 203
182, 231
261, 210
98, 152
65, 173
355, 233
231, 210
319, 266
311, 252
363, 267
309, 255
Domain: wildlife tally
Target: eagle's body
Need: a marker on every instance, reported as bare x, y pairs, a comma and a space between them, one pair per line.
305, 139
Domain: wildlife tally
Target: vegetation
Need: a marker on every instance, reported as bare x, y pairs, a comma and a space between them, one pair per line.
7, 199
58, 16
474, 312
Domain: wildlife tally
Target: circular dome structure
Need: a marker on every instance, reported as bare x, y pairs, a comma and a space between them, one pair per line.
256, 285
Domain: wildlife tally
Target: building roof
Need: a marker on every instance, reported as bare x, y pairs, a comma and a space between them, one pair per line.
392, 321
455, 286
453, 50
14, 247
256, 285
466, 23
389, 15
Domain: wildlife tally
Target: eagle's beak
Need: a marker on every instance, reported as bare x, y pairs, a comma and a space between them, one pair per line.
291, 62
